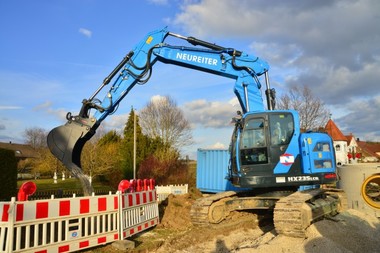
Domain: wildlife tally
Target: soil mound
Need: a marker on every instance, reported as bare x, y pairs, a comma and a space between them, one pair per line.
175, 210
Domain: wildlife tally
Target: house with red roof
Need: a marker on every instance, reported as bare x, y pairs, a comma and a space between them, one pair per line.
349, 149
352, 144
368, 151
340, 142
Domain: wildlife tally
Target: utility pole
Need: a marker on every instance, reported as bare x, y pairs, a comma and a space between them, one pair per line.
134, 144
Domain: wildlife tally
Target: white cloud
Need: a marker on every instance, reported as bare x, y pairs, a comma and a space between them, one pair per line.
85, 32
9, 107
314, 43
157, 98
217, 145
234, 102
116, 122
159, 2
210, 114
43, 106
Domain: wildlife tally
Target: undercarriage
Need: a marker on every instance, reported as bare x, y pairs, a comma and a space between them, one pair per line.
293, 212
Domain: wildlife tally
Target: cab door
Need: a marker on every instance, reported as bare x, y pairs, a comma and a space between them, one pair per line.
317, 153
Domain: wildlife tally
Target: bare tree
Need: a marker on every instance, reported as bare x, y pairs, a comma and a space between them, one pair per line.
312, 111
45, 162
100, 157
36, 137
161, 118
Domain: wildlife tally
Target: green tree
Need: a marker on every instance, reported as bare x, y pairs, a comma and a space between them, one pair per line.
46, 163
144, 146
162, 120
100, 158
110, 137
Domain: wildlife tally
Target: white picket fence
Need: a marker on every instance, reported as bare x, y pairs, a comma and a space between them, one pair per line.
73, 224
164, 191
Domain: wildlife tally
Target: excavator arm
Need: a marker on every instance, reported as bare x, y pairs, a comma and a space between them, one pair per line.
66, 141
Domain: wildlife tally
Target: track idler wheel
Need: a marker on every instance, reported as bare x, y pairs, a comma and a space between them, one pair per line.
219, 211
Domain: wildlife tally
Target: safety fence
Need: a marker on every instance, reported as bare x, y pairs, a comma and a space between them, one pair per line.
73, 224
164, 191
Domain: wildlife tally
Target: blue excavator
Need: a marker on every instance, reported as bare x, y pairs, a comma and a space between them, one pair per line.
269, 154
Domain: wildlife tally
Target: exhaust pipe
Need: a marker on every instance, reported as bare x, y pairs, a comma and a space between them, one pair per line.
66, 143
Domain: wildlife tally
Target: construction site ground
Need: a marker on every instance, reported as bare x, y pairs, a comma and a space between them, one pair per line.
349, 231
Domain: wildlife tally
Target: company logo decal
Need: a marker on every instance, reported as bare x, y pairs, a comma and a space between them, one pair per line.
287, 159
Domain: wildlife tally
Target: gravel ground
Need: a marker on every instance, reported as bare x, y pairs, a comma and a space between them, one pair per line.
350, 231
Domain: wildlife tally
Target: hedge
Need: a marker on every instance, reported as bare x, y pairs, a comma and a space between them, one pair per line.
8, 174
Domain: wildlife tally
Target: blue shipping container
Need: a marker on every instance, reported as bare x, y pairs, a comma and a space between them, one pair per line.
212, 170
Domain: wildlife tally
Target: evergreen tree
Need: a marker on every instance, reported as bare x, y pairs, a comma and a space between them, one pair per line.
144, 146
110, 137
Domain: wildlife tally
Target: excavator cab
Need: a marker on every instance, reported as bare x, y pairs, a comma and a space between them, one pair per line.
268, 150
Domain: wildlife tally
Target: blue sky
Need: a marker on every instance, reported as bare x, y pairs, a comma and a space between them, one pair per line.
56, 53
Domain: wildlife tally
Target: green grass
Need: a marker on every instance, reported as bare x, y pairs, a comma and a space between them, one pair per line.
68, 184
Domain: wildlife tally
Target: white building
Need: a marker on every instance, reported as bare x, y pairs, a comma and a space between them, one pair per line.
349, 149
340, 143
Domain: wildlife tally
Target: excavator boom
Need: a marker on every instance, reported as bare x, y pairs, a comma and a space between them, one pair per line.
269, 155
66, 142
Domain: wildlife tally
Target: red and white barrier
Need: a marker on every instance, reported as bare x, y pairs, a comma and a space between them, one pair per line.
139, 211
164, 191
72, 224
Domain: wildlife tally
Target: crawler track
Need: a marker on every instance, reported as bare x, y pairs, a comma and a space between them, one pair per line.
199, 212
294, 213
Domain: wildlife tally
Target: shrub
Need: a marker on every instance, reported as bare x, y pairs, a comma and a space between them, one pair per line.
8, 174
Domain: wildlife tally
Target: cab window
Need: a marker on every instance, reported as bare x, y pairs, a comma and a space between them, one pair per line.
253, 144
281, 128
253, 134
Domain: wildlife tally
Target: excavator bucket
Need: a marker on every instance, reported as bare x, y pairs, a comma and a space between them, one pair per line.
66, 143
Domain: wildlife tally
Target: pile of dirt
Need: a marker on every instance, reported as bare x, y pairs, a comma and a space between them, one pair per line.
174, 211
